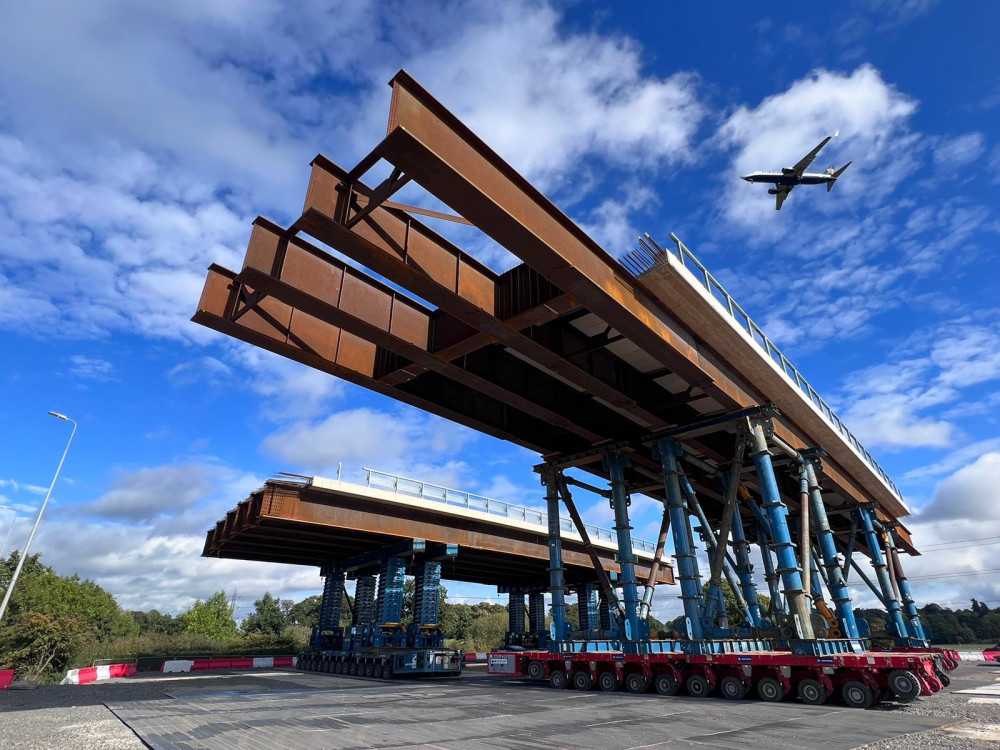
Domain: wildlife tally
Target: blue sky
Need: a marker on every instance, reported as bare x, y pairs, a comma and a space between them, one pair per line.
138, 142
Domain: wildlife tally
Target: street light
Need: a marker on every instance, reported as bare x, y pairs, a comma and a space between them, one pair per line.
38, 520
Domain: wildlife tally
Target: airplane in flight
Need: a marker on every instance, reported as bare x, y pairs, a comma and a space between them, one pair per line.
786, 180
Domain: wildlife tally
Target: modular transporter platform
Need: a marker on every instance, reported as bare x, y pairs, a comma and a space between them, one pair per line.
629, 374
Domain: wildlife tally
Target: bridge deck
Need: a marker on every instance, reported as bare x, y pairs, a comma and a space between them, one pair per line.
564, 352
319, 521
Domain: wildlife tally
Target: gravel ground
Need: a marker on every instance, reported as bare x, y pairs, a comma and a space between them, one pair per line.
75, 716
977, 724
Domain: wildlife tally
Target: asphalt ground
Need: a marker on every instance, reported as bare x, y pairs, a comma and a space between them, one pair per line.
277, 709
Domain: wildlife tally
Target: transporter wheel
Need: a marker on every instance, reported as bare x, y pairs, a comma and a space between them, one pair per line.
354, 669
698, 686
536, 670
558, 679
582, 680
377, 673
812, 692
369, 670
944, 678
636, 682
858, 695
732, 688
666, 684
608, 682
326, 664
771, 690
904, 684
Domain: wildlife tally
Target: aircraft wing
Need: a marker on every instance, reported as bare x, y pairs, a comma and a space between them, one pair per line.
780, 196
806, 160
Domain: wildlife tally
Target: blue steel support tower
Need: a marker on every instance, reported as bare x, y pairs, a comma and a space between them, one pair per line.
777, 516
866, 516
687, 563
556, 572
745, 572
828, 547
392, 575
635, 629
915, 628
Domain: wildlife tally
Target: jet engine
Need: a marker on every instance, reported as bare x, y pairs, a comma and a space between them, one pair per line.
772, 191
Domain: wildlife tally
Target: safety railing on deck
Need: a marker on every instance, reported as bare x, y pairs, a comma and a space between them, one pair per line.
650, 255
426, 491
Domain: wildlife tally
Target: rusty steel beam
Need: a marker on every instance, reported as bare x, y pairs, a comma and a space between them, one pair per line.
282, 329
447, 159
316, 283
410, 254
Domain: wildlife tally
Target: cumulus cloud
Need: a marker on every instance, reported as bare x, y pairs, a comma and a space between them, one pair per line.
398, 440
146, 493
871, 116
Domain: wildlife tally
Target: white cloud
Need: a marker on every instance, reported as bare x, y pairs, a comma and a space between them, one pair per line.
871, 116
956, 152
91, 368
970, 493
393, 441
207, 370
889, 404
144, 494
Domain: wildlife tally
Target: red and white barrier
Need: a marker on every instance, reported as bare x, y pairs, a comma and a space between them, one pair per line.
95, 674
477, 658
979, 655
6, 677
249, 662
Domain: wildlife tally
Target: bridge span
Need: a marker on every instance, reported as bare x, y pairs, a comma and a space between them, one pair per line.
319, 521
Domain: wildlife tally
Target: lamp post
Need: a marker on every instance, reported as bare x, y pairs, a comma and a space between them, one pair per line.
38, 520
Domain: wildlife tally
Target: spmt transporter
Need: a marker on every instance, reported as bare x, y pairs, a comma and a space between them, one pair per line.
643, 372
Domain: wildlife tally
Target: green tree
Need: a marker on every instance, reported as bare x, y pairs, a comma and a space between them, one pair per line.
155, 623
37, 644
212, 618
266, 617
305, 612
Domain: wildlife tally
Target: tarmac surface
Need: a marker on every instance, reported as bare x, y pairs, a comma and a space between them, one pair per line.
278, 709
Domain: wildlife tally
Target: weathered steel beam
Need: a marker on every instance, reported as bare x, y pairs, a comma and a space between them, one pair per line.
335, 293
406, 252
280, 328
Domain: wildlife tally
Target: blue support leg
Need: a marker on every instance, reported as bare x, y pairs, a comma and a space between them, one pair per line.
744, 570
828, 547
680, 528
777, 515
916, 628
557, 586
635, 628
896, 619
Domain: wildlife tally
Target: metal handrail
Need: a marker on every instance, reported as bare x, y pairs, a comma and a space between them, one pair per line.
655, 255
398, 484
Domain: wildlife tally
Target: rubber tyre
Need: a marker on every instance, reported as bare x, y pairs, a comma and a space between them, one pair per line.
904, 685
698, 686
770, 690
636, 683
857, 694
536, 670
732, 688
812, 692
377, 674
327, 664
944, 678
558, 680
369, 670
582, 681
608, 682
666, 684
354, 669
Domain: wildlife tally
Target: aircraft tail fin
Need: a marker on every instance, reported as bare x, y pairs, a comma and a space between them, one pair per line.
835, 175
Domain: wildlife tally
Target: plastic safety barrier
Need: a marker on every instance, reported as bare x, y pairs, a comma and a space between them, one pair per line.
96, 674
245, 662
